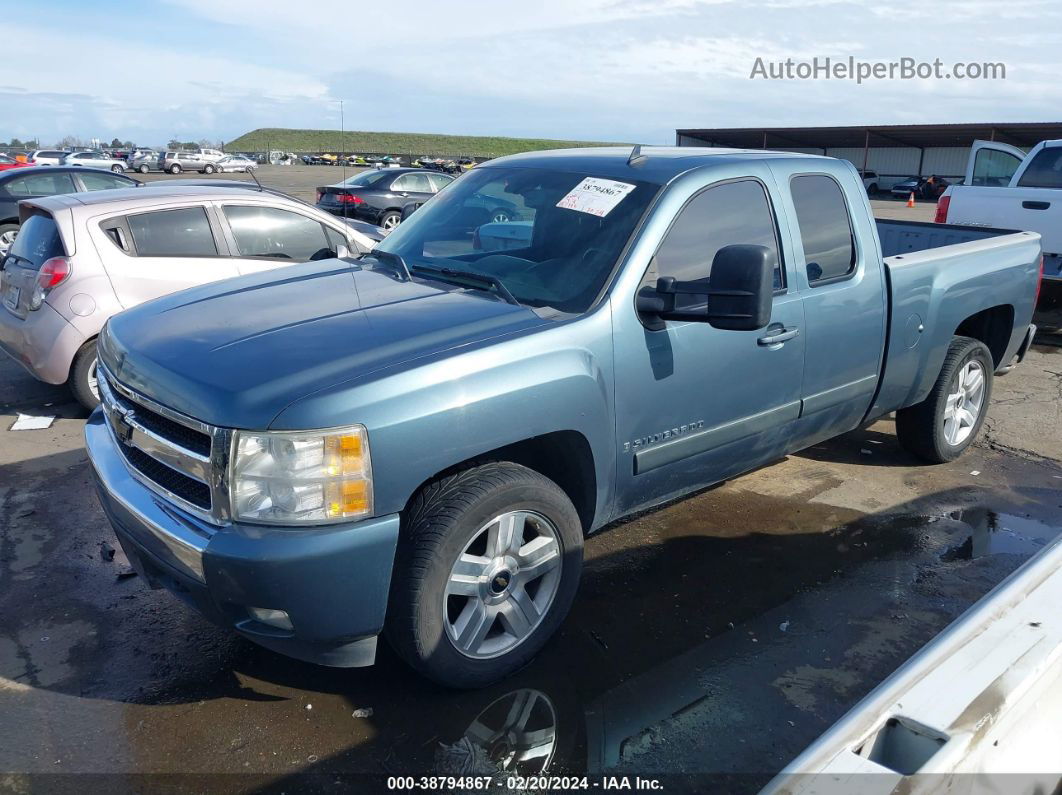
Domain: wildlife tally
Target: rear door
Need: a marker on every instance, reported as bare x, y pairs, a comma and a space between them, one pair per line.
992, 164
841, 277
412, 188
263, 237
156, 252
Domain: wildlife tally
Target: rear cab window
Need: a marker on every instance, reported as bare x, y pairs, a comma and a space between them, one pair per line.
1045, 170
825, 228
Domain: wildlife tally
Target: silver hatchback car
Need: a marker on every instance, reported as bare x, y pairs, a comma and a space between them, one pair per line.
81, 258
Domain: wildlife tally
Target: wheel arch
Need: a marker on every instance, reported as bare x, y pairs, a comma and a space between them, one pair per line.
992, 326
565, 457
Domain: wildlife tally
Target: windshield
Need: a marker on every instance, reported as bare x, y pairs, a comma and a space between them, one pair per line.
365, 178
551, 237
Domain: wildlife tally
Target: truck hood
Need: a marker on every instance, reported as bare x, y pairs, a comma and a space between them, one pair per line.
235, 353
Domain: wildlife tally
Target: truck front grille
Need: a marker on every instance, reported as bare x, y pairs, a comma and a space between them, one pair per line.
179, 457
172, 481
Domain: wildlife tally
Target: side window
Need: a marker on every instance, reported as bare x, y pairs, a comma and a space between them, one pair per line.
825, 227
439, 181
280, 234
402, 184
173, 233
1045, 170
93, 181
728, 214
41, 185
994, 168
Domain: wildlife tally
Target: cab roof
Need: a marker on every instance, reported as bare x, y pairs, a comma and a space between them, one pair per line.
659, 164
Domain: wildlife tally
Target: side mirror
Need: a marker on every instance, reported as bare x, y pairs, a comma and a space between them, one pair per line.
741, 287
739, 292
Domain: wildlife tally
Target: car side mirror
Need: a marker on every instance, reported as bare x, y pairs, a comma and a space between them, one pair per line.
739, 292
741, 287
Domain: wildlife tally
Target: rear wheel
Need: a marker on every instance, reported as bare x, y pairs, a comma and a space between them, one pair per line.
943, 425
83, 381
8, 233
175, 169
117, 169
390, 219
486, 571
143, 168
500, 216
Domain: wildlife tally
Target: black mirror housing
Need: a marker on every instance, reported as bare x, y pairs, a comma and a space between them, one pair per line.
741, 288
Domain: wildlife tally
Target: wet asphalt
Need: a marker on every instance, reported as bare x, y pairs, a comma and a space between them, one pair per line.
711, 641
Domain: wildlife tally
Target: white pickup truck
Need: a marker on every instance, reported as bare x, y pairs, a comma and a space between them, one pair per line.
1005, 188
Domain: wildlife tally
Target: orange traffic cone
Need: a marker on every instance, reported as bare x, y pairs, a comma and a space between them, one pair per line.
910, 200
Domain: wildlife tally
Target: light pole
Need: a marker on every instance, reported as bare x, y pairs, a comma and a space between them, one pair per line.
342, 132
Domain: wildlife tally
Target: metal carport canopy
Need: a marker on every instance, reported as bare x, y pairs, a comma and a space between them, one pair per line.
920, 136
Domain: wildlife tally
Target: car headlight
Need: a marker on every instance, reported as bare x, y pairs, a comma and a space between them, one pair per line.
301, 477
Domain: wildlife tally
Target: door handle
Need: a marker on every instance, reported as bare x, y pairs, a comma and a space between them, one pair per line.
1030, 205
778, 337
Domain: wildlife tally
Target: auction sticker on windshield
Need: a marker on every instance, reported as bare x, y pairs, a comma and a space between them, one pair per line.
596, 196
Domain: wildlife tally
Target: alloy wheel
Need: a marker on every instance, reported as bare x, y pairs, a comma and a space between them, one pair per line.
503, 584
965, 401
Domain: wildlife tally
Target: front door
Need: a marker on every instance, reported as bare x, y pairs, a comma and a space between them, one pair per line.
696, 404
992, 164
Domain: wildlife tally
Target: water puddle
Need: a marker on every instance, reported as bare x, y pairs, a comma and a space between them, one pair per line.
994, 533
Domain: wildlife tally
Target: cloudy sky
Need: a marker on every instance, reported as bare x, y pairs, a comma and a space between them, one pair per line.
629, 70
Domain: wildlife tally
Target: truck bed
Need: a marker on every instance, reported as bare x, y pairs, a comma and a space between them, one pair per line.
938, 276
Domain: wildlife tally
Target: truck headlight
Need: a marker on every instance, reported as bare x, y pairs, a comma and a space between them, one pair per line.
301, 477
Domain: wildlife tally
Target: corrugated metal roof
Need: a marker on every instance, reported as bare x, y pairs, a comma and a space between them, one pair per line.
884, 135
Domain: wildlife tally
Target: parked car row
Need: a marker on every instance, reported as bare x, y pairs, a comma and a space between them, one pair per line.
145, 242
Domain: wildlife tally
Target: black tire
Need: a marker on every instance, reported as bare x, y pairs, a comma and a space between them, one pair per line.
174, 169
437, 526
390, 219
920, 428
209, 169
143, 168
117, 169
500, 215
82, 372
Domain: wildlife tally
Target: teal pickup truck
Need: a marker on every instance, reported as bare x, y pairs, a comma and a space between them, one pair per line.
415, 443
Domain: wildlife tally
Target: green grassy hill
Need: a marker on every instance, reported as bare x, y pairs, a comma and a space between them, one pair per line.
392, 143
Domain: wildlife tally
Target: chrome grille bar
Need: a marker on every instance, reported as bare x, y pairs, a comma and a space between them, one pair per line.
120, 405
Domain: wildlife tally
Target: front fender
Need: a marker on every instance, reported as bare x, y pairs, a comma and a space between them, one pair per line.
430, 415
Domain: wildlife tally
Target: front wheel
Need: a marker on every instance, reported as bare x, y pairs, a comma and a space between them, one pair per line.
486, 570
117, 169
83, 379
209, 169
943, 425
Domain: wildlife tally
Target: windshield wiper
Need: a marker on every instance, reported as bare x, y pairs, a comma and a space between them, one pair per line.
391, 257
481, 280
